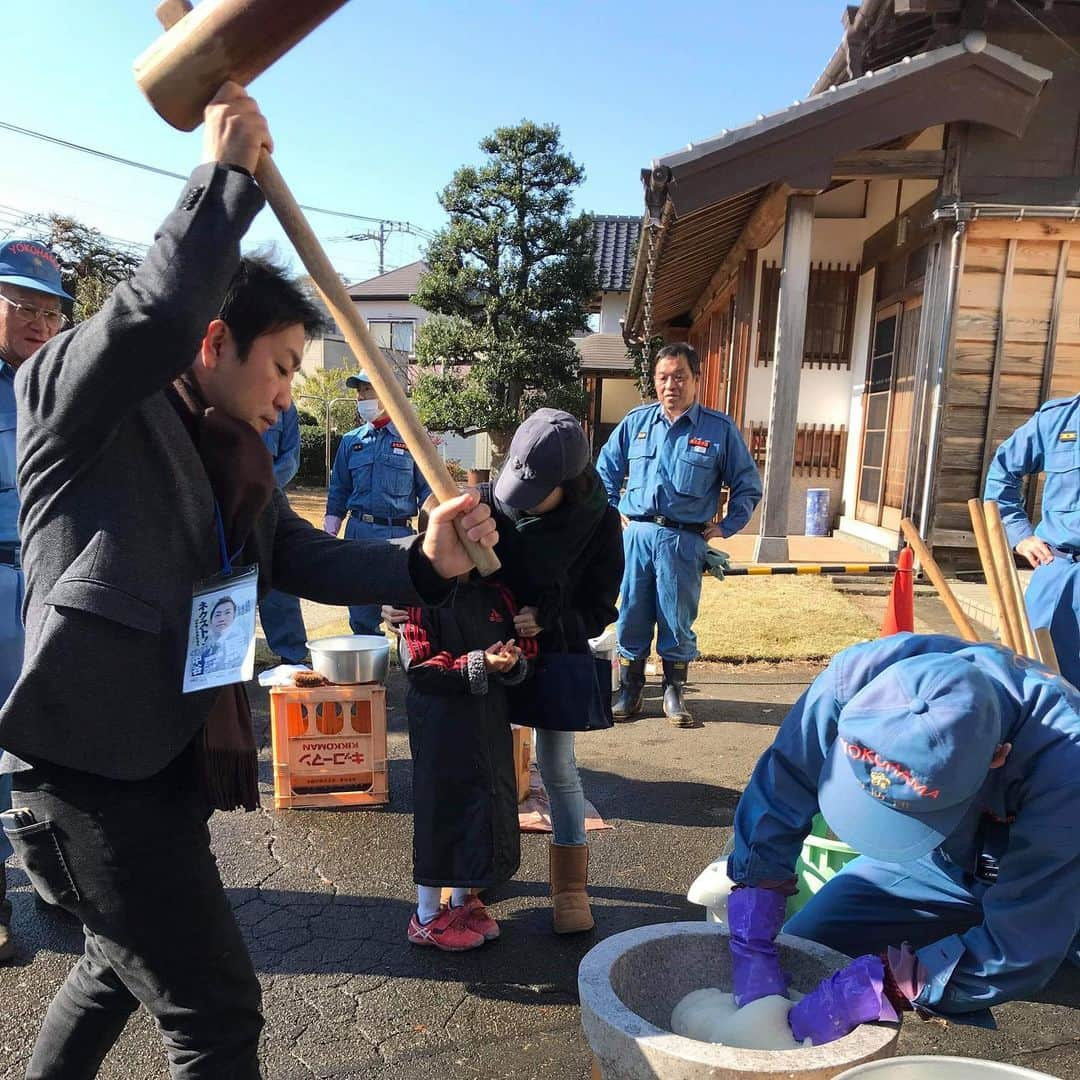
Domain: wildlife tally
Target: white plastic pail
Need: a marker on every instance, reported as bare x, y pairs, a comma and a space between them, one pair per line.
926, 1067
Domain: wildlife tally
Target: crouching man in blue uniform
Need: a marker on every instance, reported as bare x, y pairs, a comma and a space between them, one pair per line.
1049, 442
30, 300
675, 457
376, 482
952, 768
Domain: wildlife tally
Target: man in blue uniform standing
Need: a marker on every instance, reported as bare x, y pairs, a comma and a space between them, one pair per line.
375, 481
30, 315
674, 456
282, 620
952, 769
1047, 443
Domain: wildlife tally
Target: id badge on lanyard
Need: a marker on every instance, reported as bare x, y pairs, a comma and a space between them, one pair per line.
221, 631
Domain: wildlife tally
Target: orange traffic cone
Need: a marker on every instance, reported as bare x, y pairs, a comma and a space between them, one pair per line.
900, 614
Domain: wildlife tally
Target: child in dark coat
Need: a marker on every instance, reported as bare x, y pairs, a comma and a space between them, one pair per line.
465, 822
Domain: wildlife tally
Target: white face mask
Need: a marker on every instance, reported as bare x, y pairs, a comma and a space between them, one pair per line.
368, 410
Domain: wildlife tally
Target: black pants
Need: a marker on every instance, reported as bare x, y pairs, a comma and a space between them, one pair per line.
133, 862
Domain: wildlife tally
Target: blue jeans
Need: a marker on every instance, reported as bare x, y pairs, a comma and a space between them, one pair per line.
283, 625
132, 860
661, 587
367, 618
555, 756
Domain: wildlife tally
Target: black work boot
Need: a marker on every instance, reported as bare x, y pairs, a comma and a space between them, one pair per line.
631, 685
7, 943
674, 684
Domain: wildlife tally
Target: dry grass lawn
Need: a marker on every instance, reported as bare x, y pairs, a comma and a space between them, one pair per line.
741, 619
777, 618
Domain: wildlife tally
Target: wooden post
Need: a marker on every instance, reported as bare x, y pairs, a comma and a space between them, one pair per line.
772, 544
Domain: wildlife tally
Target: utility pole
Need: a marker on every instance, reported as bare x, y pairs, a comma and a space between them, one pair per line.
383, 233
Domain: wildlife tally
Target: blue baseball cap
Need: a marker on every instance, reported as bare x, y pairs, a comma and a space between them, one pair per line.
913, 749
549, 447
31, 265
354, 382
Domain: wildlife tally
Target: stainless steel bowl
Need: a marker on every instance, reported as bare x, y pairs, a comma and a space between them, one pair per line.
351, 658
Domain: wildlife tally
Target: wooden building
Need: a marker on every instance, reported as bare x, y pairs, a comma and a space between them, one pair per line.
881, 279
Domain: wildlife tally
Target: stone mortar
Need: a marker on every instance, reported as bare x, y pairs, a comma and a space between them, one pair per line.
629, 984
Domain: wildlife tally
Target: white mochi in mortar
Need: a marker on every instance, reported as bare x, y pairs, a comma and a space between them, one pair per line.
710, 1015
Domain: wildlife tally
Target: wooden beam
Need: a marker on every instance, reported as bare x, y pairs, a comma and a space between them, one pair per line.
772, 544
926, 7
902, 164
995, 371
759, 229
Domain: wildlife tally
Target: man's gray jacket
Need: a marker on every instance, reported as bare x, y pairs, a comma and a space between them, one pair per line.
117, 519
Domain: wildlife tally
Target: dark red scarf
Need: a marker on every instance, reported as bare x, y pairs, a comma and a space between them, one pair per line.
241, 475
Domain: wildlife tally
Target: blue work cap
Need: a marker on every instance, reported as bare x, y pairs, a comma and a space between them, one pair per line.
32, 266
913, 749
548, 448
354, 382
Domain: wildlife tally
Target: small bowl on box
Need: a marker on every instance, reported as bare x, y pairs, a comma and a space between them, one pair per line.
351, 658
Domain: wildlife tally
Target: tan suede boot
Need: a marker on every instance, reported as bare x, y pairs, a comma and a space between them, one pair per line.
569, 868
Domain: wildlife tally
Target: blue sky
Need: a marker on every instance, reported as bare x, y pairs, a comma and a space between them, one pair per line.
373, 112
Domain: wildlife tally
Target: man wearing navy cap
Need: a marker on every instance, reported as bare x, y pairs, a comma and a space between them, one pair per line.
1048, 443
31, 298
952, 769
376, 482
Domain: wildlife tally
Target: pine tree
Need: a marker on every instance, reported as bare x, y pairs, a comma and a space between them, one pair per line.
510, 280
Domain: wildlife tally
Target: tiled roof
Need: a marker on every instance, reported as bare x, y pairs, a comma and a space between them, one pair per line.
397, 284
603, 352
615, 242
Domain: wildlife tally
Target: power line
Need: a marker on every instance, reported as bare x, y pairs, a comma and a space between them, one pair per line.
117, 160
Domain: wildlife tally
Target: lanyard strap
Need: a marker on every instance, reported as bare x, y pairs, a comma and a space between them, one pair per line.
226, 560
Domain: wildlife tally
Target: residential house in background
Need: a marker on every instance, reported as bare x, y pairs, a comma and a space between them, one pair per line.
605, 365
880, 278
385, 301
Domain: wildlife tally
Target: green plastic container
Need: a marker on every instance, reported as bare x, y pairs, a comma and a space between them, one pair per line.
822, 857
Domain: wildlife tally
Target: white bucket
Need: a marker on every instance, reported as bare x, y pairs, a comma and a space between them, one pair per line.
927, 1067
711, 890
604, 648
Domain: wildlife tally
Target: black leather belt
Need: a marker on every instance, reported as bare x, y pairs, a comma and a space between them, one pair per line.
670, 523
1073, 555
372, 519
9, 555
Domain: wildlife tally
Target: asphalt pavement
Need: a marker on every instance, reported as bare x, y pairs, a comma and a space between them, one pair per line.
324, 898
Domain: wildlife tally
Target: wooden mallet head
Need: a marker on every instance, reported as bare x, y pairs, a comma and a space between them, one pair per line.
217, 41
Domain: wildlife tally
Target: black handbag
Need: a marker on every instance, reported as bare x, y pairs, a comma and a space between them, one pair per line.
564, 692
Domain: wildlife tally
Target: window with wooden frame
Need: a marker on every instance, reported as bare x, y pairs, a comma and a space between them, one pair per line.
830, 315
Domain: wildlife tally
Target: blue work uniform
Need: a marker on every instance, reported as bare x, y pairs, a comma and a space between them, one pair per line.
993, 911
1049, 442
377, 481
11, 575
282, 620
673, 472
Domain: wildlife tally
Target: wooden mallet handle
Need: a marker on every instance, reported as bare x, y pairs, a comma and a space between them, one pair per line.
314, 258
948, 597
358, 336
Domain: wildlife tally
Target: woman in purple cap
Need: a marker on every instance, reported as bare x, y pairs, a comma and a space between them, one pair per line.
561, 549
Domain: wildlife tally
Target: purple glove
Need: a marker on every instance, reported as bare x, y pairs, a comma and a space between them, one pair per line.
905, 976
755, 916
853, 996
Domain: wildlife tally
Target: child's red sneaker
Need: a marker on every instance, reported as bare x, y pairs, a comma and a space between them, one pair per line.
447, 931
478, 919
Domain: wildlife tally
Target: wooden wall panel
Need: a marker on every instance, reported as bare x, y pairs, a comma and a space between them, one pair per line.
1002, 369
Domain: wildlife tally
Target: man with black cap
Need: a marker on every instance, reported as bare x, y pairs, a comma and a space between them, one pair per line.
952, 769
377, 483
31, 297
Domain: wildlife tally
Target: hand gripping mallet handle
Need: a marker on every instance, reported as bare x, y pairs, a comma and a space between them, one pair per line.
237, 39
